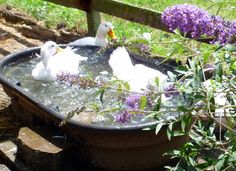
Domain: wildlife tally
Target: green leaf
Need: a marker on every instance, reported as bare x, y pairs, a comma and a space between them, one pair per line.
191, 161
101, 91
177, 133
183, 125
206, 56
219, 164
169, 132
175, 50
126, 85
232, 157
142, 102
203, 165
218, 71
171, 75
233, 66
157, 81
177, 31
182, 108
158, 127
230, 47
158, 104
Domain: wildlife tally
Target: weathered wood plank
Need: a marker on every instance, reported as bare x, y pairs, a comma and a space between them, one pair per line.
129, 12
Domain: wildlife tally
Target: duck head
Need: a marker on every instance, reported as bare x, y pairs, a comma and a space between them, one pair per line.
47, 50
103, 30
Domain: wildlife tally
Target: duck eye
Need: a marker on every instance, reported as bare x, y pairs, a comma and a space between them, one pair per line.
106, 25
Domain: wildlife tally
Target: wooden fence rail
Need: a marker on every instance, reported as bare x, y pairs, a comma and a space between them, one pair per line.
125, 11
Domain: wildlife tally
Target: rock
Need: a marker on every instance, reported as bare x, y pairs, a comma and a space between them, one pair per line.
39, 149
4, 168
8, 151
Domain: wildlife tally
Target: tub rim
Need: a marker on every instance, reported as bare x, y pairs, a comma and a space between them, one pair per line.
19, 91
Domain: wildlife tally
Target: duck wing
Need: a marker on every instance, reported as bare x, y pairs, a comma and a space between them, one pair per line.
121, 64
86, 41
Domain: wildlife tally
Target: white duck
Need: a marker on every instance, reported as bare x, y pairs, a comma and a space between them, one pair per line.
100, 39
55, 61
138, 76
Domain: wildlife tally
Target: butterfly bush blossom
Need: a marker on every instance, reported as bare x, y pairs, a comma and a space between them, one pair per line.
171, 91
197, 22
132, 103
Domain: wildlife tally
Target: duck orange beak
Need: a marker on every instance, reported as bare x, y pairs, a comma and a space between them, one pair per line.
112, 34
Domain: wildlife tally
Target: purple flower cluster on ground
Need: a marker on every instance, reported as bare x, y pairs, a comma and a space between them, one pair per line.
197, 22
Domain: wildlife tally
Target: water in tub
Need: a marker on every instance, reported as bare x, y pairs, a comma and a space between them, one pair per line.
69, 97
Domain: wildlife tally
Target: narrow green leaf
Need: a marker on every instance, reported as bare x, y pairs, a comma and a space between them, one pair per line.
157, 81
142, 102
232, 157
169, 132
183, 124
158, 127
102, 91
219, 164
126, 85
158, 104
171, 75
206, 56
203, 165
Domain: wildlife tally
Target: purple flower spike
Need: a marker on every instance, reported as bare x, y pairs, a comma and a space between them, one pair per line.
188, 19
132, 101
123, 117
197, 22
171, 91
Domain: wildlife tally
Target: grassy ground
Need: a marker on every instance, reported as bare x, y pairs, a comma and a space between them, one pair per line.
53, 14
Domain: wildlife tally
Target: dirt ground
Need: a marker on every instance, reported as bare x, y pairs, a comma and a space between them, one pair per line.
19, 31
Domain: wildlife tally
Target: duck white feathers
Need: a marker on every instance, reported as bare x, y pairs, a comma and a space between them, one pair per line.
138, 76
100, 39
55, 61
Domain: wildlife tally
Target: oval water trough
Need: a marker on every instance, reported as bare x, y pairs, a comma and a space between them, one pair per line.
107, 147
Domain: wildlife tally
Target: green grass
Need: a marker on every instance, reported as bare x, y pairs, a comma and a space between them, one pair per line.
53, 14
50, 13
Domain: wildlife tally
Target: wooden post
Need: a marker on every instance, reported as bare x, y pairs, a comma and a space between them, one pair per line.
93, 21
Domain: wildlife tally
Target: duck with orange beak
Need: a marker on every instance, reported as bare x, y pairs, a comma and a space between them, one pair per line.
104, 29
55, 61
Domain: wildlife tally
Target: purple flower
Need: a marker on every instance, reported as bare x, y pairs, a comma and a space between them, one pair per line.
197, 22
123, 117
68, 78
143, 48
132, 101
171, 91
189, 19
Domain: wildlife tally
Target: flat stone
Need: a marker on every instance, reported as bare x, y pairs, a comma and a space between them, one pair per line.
4, 168
8, 151
39, 149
